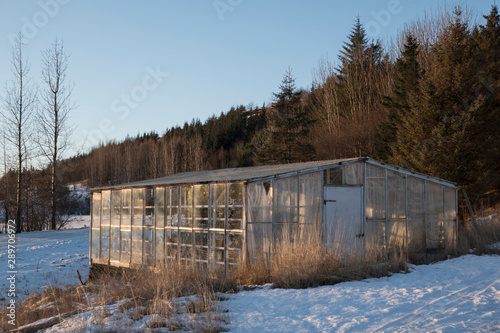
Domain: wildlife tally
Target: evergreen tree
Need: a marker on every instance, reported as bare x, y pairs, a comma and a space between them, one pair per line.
451, 129
360, 67
397, 106
286, 140
487, 90
355, 49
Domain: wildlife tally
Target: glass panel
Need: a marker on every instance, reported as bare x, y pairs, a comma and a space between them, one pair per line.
137, 245
218, 206
310, 198
138, 206
217, 247
186, 244
171, 239
115, 207
233, 256
186, 206
234, 240
334, 176
148, 246
259, 240
186, 252
375, 192
285, 200
160, 207
375, 237
354, 174
395, 195
174, 210
416, 215
105, 242
435, 216
201, 241
260, 202
126, 207
397, 234
172, 235
96, 223
96, 210
106, 207
96, 243
186, 237
201, 253
160, 246
233, 223
125, 248
235, 206
201, 206
149, 218
235, 194
105, 220
201, 238
115, 244
218, 256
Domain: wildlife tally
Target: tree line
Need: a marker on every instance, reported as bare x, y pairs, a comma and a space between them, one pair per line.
428, 101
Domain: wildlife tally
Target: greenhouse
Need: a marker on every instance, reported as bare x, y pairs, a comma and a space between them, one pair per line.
217, 218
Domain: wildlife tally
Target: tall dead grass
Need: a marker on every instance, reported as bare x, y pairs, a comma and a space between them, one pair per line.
169, 293
481, 236
300, 260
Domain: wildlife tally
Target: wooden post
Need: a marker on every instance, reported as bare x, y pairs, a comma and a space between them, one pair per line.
470, 208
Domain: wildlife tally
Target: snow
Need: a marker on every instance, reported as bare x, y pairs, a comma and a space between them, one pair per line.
456, 295
45, 258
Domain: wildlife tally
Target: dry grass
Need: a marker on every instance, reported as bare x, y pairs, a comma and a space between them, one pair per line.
302, 261
479, 236
180, 297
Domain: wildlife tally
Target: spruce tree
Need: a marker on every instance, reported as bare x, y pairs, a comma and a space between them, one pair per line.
487, 119
397, 106
451, 128
354, 51
360, 66
288, 125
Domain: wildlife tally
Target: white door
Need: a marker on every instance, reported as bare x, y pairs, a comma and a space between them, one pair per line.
343, 218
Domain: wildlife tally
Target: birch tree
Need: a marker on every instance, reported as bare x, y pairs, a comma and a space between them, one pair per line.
19, 102
53, 116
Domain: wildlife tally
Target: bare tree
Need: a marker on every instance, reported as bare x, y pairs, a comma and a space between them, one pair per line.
54, 113
324, 98
18, 103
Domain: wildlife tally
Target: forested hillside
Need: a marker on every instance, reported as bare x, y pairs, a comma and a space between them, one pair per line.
429, 102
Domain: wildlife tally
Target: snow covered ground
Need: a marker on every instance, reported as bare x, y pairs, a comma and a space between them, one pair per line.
457, 295
45, 258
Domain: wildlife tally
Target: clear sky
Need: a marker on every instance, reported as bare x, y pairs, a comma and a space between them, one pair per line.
150, 65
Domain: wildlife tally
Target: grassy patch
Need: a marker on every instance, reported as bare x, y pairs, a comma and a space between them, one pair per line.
179, 297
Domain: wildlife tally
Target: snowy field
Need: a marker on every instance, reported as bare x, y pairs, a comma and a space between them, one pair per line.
45, 258
457, 295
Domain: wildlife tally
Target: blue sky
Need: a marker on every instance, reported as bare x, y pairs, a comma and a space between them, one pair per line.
143, 66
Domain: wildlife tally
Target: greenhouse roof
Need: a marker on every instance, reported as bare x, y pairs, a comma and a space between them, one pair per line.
235, 174
260, 173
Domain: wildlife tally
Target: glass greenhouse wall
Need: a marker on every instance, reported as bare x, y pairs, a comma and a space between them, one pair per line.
352, 203
154, 225
409, 210
290, 204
